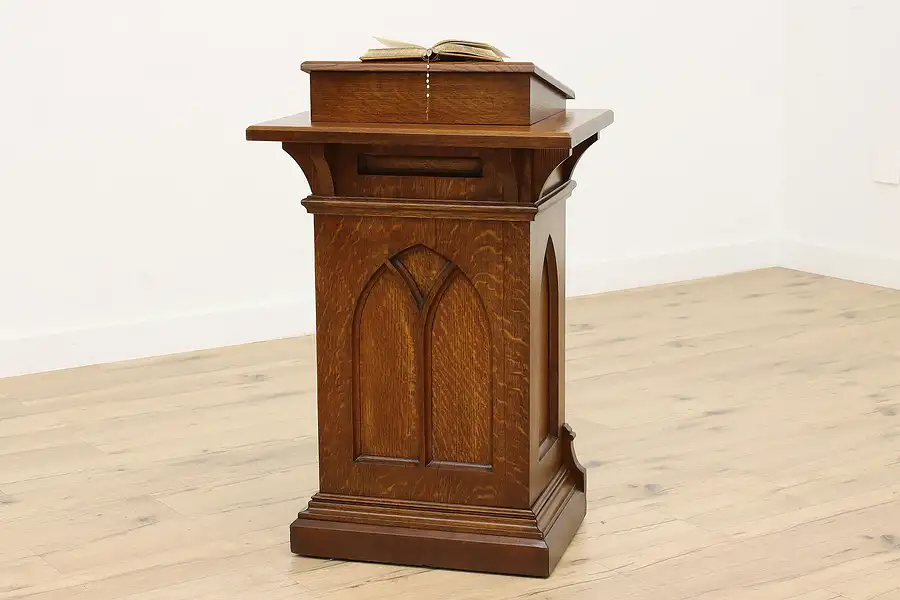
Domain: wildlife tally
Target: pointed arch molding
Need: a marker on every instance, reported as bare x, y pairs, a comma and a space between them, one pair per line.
549, 352
422, 385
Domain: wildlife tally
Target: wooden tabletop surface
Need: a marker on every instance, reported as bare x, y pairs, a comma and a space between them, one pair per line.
562, 130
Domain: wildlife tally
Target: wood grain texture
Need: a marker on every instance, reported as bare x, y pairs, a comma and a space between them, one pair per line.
419, 166
419, 66
451, 98
439, 329
548, 364
386, 408
423, 267
453, 341
311, 158
546, 171
741, 435
565, 129
420, 208
355, 179
547, 448
458, 397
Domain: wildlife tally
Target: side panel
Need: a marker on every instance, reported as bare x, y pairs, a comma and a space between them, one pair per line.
548, 292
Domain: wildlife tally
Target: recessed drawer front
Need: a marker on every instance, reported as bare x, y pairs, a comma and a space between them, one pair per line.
419, 166
419, 172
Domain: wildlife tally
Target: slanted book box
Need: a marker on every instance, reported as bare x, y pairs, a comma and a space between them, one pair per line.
452, 93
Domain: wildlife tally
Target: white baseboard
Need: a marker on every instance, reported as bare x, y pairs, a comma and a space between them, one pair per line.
155, 337
184, 333
606, 276
841, 263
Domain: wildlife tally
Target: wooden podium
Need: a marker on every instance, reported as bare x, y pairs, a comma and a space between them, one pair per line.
440, 288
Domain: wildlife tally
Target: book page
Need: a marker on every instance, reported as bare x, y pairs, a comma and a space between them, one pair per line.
393, 53
464, 51
493, 49
397, 44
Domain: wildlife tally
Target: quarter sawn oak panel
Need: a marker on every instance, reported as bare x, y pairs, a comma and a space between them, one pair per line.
458, 365
387, 420
446, 275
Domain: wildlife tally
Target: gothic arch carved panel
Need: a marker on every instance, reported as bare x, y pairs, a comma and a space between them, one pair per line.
386, 409
458, 386
422, 385
547, 368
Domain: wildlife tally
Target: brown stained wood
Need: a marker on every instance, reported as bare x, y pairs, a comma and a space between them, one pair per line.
545, 170
386, 410
458, 394
311, 158
359, 247
419, 172
502, 168
419, 166
422, 208
439, 93
521, 523
449, 537
541, 367
559, 194
423, 267
568, 166
452, 98
565, 129
548, 363
545, 100
439, 261
439, 67
547, 398
556, 325
516, 353
522, 161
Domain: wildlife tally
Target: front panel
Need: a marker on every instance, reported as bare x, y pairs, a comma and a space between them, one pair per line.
420, 369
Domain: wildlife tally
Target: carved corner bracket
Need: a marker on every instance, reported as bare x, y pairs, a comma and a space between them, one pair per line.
552, 168
311, 158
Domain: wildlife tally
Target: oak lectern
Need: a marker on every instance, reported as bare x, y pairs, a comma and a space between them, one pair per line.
438, 194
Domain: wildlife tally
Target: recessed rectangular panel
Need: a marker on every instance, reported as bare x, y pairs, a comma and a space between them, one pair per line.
431, 166
459, 403
386, 406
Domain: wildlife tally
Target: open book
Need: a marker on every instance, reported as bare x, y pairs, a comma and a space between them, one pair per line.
448, 49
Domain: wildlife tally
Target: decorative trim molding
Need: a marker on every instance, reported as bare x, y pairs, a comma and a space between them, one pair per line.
524, 523
311, 158
419, 208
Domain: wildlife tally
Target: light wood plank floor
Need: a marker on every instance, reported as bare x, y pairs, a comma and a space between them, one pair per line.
742, 436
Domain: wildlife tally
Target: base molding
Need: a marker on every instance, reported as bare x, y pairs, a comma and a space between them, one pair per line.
449, 536
490, 553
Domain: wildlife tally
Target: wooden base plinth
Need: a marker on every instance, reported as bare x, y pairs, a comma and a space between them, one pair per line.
495, 540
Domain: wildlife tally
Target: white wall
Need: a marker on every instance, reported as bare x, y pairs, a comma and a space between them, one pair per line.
843, 115
135, 220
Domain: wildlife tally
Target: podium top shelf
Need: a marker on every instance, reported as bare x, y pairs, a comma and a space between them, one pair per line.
565, 129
